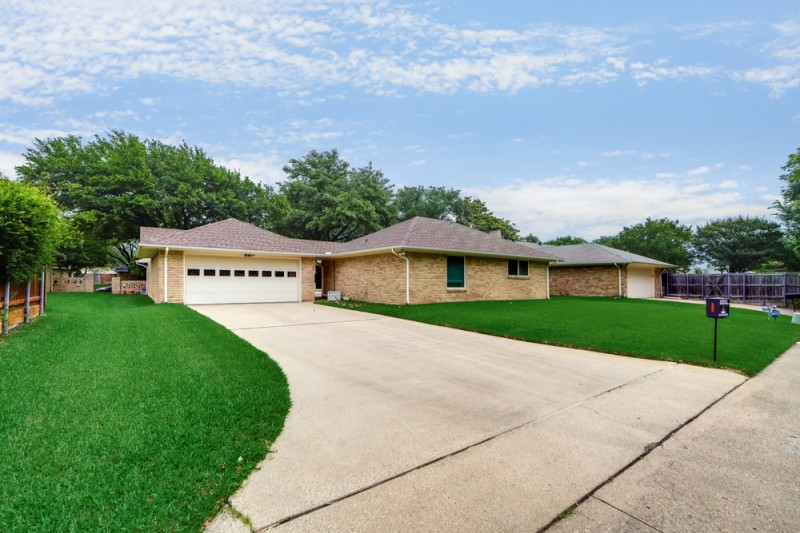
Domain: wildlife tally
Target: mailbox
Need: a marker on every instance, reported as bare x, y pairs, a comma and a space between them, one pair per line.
717, 307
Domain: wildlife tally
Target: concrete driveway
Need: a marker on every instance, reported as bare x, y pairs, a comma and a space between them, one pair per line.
398, 426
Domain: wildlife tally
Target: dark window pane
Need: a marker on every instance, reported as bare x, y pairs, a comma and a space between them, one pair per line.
209, 272
512, 267
252, 273
523, 268
238, 273
291, 274
193, 272
279, 273
224, 272
266, 273
455, 272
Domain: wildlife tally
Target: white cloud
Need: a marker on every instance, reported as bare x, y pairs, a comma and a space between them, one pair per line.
418, 162
784, 51
258, 167
617, 153
582, 163
699, 171
591, 208
8, 161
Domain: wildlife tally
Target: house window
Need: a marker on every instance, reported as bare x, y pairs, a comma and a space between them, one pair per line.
279, 273
455, 272
517, 267
238, 273
224, 272
209, 272
266, 273
193, 272
252, 273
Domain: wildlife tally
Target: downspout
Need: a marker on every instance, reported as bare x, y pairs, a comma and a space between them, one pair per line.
402, 255
619, 281
166, 264
548, 281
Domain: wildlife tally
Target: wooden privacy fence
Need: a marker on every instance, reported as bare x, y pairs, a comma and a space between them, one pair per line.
744, 288
20, 302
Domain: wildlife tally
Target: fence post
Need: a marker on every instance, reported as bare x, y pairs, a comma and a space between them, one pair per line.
784, 289
6, 302
27, 315
41, 295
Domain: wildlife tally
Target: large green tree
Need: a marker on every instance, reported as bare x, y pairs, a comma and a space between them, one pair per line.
662, 239
739, 244
565, 240
477, 216
431, 202
113, 184
789, 208
328, 200
30, 230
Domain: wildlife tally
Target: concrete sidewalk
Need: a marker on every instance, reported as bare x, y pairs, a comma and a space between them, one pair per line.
735, 468
399, 426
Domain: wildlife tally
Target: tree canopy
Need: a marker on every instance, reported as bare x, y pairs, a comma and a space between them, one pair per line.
739, 244
789, 209
565, 240
431, 202
328, 200
113, 184
477, 216
30, 230
662, 239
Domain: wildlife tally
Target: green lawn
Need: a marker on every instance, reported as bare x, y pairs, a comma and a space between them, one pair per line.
672, 331
120, 415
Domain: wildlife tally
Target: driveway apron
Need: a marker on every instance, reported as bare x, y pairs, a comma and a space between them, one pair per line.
397, 425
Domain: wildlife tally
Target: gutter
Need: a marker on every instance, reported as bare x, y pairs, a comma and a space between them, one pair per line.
619, 281
166, 264
402, 255
548, 281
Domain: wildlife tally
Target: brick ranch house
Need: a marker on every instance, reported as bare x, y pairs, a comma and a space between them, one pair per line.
594, 270
420, 260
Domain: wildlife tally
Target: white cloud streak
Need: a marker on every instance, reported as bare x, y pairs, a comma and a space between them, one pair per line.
592, 208
52, 50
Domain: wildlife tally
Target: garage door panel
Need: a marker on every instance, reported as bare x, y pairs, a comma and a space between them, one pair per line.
205, 285
640, 283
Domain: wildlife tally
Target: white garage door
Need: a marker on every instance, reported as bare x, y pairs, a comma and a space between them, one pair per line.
640, 283
224, 280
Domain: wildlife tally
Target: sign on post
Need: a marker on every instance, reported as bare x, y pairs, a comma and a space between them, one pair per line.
717, 308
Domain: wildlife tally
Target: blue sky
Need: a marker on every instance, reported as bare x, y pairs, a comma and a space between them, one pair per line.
568, 117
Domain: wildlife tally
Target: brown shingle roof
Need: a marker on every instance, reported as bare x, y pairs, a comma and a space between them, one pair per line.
418, 233
231, 234
441, 235
595, 254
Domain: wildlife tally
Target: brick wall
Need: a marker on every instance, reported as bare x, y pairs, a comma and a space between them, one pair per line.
65, 283
175, 274
587, 281
382, 279
308, 268
486, 279
379, 278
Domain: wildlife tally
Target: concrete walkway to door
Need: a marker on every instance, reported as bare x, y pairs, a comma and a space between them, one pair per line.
397, 425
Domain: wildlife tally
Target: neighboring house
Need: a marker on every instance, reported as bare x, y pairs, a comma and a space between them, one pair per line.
594, 270
420, 260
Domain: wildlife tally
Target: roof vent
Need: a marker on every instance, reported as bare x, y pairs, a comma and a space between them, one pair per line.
496, 233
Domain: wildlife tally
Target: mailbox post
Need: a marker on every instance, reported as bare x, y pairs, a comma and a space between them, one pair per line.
717, 308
